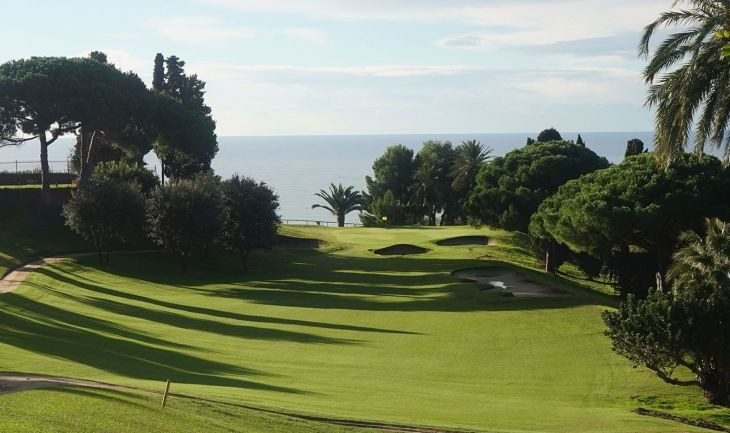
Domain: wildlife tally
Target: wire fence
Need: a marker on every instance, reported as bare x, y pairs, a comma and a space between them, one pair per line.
316, 223
22, 173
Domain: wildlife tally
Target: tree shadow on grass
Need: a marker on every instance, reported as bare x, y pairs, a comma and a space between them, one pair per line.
189, 322
315, 279
44, 329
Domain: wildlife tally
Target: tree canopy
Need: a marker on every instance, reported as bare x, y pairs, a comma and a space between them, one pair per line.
509, 189
250, 220
687, 327
629, 215
393, 171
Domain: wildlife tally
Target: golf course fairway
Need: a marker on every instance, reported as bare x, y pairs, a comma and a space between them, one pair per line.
342, 332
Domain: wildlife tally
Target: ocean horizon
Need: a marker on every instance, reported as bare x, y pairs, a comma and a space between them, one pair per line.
298, 166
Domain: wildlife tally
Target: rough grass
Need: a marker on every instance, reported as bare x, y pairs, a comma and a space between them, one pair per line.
340, 332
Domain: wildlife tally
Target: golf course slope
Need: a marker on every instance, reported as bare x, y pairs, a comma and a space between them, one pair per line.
331, 332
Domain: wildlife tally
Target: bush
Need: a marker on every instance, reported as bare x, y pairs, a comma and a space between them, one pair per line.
126, 173
185, 216
249, 216
106, 211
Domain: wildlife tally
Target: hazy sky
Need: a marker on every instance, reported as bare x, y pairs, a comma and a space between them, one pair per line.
371, 66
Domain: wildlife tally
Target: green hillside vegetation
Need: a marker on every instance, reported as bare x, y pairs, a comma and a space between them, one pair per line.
341, 332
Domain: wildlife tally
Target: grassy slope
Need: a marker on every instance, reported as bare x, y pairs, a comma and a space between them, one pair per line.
29, 231
131, 412
341, 333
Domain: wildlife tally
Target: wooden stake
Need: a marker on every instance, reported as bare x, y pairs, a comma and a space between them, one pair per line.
164, 395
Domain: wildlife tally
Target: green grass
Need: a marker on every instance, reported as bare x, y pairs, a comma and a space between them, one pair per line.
132, 412
344, 333
30, 230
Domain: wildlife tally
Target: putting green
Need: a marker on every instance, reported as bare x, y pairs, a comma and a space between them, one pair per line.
341, 332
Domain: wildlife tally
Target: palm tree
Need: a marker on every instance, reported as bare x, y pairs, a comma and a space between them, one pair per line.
688, 75
703, 260
470, 157
340, 201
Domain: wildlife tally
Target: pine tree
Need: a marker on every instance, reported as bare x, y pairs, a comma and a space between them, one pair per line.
158, 77
580, 141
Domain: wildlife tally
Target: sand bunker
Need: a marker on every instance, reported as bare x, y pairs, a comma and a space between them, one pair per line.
508, 282
400, 250
283, 241
463, 240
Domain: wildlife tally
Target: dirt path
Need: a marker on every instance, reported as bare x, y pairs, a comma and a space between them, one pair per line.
17, 276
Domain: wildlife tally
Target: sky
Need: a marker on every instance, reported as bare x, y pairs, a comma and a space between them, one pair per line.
280, 67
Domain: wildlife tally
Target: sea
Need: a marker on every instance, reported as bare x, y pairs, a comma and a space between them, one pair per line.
297, 167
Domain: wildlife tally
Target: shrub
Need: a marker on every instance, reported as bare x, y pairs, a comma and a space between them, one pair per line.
185, 216
249, 216
106, 211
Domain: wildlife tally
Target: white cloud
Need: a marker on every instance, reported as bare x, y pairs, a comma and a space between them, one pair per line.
199, 30
229, 72
315, 36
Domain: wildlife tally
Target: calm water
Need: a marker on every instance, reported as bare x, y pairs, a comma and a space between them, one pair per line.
298, 166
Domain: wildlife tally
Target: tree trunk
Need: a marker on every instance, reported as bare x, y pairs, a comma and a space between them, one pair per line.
162, 170
45, 176
716, 388
244, 257
340, 220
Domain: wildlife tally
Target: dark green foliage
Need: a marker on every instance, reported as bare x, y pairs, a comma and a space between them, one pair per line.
56, 96
158, 75
340, 201
686, 328
106, 211
385, 206
186, 140
469, 158
431, 186
580, 141
393, 172
510, 188
250, 220
629, 215
634, 147
98, 56
122, 172
550, 134
185, 216
530, 141
689, 78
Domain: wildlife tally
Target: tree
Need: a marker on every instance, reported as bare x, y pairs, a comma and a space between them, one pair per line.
158, 75
393, 171
105, 211
185, 216
547, 135
580, 141
509, 189
250, 220
340, 201
634, 147
688, 77
630, 215
687, 327
186, 140
470, 157
57, 96
431, 184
